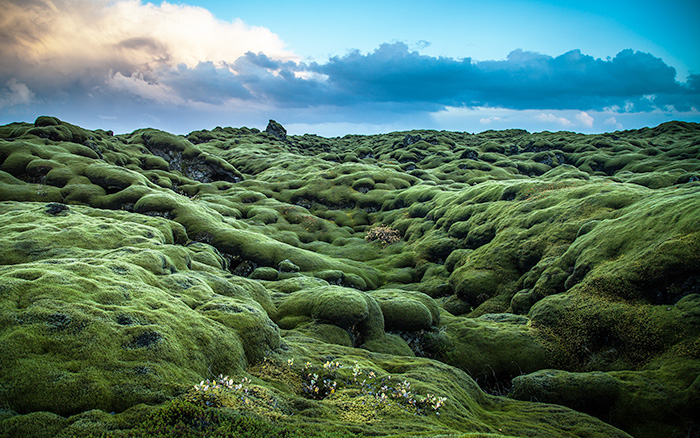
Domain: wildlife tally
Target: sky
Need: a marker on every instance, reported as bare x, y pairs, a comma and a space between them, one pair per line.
361, 67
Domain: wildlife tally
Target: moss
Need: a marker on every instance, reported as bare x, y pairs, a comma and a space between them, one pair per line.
594, 393
16, 163
346, 308
493, 351
140, 243
388, 344
108, 304
153, 162
258, 334
264, 273
112, 179
605, 333
58, 337
263, 215
33, 425
327, 333
456, 306
206, 254
474, 286
407, 311
661, 393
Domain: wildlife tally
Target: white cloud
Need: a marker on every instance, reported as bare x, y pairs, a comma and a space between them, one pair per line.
477, 119
613, 122
192, 34
80, 38
491, 119
551, 118
585, 119
138, 86
310, 76
15, 94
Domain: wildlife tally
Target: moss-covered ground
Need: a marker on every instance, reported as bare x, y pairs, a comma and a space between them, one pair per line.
233, 282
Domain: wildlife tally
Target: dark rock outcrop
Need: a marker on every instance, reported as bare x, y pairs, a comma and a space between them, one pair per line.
276, 130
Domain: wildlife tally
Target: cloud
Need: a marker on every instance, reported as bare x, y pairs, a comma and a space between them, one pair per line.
138, 86
76, 45
552, 119
612, 121
14, 94
524, 80
585, 119
490, 119
393, 74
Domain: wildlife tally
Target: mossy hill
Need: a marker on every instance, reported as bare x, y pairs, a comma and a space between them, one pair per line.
514, 284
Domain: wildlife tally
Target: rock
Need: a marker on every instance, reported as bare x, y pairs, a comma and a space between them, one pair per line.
56, 208
182, 156
287, 266
276, 130
411, 139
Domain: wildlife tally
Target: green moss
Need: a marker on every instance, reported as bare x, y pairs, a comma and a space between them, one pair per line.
139, 244
594, 393
343, 307
33, 425
407, 311
326, 333
263, 215
130, 327
493, 350
263, 273
63, 331
652, 402
474, 286
258, 334
388, 344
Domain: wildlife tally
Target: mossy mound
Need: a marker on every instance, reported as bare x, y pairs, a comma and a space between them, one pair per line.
100, 311
351, 310
656, 401
493, 348
137, 265
407, 310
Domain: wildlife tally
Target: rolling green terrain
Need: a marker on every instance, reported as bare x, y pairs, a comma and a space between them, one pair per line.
234, 282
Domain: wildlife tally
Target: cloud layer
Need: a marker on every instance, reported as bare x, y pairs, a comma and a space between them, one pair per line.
525, 80
98, 54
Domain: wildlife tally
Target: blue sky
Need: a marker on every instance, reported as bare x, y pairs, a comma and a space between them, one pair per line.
335, 68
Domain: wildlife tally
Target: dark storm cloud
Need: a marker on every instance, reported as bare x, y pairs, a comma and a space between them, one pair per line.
525, 80
392, 73
283, 84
